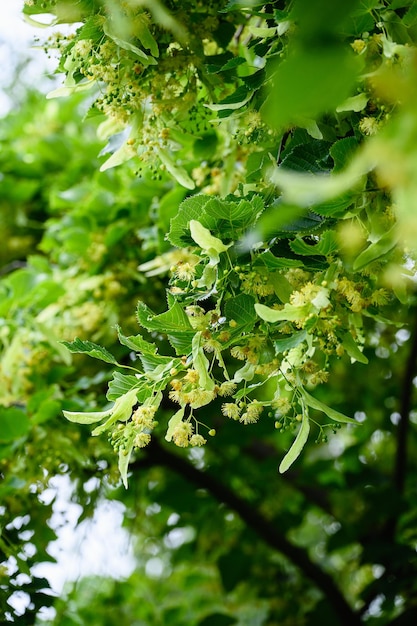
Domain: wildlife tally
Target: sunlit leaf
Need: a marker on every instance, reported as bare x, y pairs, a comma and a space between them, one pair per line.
92, 349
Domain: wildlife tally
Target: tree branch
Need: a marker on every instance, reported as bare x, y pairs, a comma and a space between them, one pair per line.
259, 450
401, 455
400, 470
260, 525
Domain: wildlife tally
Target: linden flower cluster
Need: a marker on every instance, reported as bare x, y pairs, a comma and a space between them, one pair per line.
186, 390
369, 126
256, 283
136, 431
180, 262
143, 417
40, 3
250, 351
184, 436
150, 97
245, 413
351, 292
25, 358
297, 277
282, 405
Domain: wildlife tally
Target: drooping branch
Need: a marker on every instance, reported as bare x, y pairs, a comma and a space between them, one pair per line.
264, 528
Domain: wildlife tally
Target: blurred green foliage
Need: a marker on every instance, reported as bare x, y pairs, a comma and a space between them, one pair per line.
245, 171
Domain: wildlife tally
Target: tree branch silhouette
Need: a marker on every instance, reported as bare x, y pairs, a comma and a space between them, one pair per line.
264, 528
401, 458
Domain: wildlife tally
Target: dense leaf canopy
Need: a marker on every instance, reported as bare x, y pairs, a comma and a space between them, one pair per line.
217, 206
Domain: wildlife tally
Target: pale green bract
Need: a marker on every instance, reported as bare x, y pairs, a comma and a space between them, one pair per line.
297, 446
173, 423
207, 242
334, 415
121, 411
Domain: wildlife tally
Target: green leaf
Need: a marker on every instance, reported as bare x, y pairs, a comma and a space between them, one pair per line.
270, 261
331, 413
190, 209
236, 100
14, 423
173, 422
121, 384
297, 446
354, 103
307, 157
310, 82
92, 29
127, 45
410, 18
326, 246
377, 249
342, 152
174, 323
336, 207
226, 217
173, 320
241, 309
287, 343
78, 346
232, 63
352, 349
136, 343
